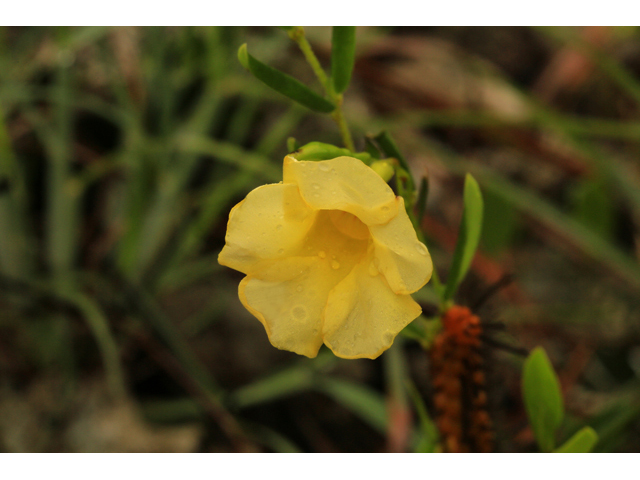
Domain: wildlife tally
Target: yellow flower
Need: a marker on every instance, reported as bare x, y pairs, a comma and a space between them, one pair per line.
330, 256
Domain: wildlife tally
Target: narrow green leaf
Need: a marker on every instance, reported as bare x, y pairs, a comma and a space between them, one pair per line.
362, 401
422, 198
299, 377
542, 398
594, 206
343, 49
501, 224
468, 235
371, 148
284, 84
582, 442
390, 149
428, 442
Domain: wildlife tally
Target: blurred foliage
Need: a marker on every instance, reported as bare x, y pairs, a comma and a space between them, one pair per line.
122, 151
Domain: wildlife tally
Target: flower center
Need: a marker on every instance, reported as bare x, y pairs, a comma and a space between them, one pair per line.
349, 224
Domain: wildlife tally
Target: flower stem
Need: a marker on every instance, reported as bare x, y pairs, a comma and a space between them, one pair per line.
338, 117
297, 35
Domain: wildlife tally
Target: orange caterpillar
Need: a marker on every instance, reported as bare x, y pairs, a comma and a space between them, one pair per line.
458, 378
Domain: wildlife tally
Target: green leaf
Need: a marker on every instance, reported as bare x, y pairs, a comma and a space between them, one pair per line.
284, 84
299, 377
468, 235
501, 223
361, 401
343, 48
422, 198
428, 442
594, 207
582, 442
390, 149
542, 398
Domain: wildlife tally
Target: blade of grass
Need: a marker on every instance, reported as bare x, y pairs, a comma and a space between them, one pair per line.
539, 209
363, 402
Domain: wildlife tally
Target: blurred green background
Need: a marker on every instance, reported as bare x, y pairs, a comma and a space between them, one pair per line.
122, 151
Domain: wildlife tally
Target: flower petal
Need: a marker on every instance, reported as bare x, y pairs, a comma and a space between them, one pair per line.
363, 315
399, 255
289, 297
344, 183
269, 224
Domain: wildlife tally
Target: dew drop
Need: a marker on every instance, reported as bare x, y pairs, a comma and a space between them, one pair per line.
299, 288
316, 194
422, 250
316, 186
281, 251
279, 227
324, 167
321, 254
335, 265
385, 208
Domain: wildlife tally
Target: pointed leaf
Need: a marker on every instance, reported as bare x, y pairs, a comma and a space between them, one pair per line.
283, 83
542, 398
582, 442
343, 48
360, 400
468, 235
422, 197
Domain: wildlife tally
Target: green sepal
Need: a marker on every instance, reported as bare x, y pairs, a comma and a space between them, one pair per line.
582, 441
325, 151
542, 398
283, 83
343, 49
468, 236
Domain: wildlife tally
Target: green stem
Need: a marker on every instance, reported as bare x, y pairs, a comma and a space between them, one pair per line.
297, 35
338, 117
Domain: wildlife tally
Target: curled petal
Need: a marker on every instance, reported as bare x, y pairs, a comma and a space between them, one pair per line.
399, 255
363, 316
271, 223
344, 183
288, 297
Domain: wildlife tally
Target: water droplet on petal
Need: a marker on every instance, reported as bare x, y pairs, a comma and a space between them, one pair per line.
299, 288
335, 265
324, 167
279, 227
422, 250
385, 208
321, 254
281, 251
316, 186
